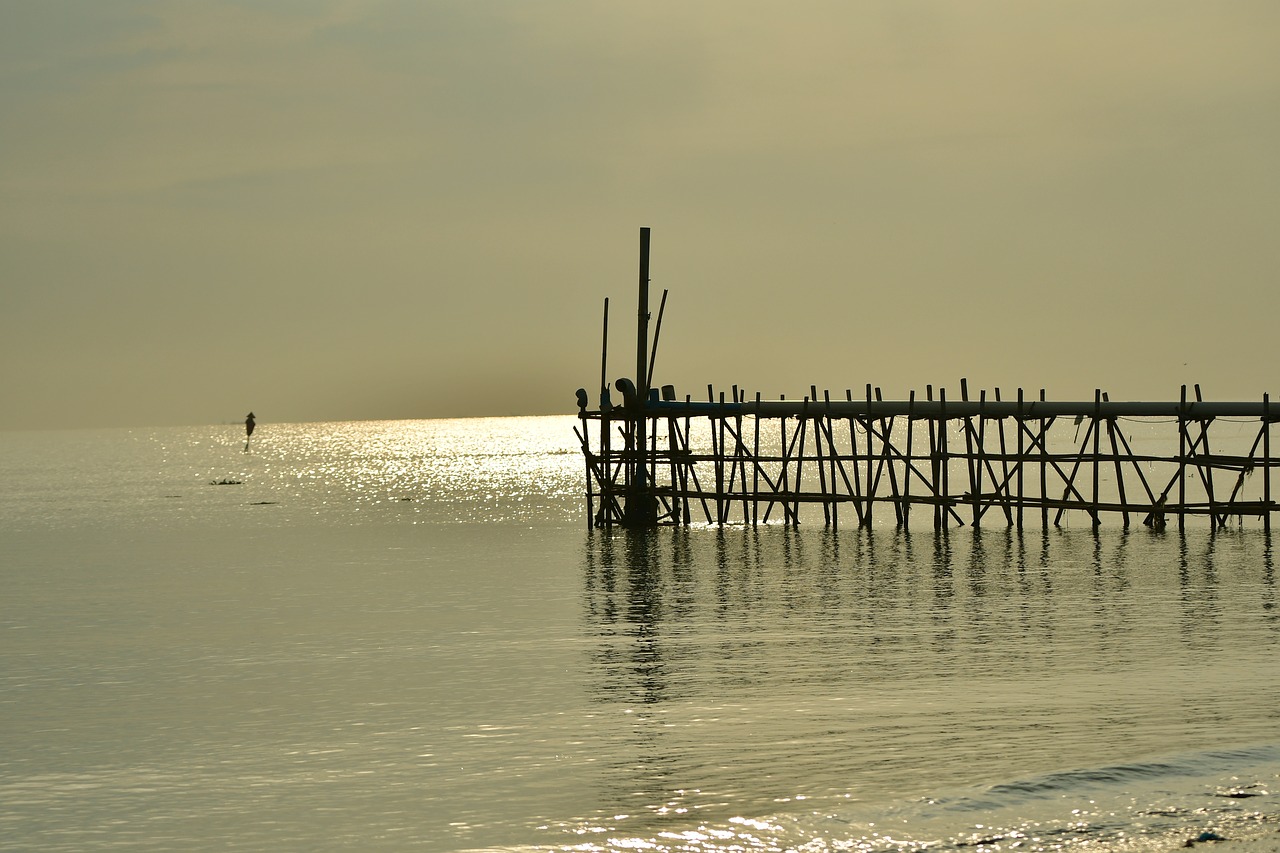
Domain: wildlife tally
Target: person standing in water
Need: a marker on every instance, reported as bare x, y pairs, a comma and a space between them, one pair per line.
248, 431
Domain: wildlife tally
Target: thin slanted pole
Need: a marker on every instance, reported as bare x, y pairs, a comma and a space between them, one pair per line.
586, 456
1070, 480
1004, 470
604, 355
1115, 453
886, 460
1206, 479
743, 453
970, 457
801, 434
657, 332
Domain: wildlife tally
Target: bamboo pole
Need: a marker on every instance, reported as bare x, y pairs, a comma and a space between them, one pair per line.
1021, 452
721, 496
853, 463
801, 435
1266, 462
586, 457
1004, 470
741, 448
782, 470
1070, 480
1182, 461
935, 463
1044, 475
906, 474
1097, 430
871, 486
1206, 479
820, 461
832, 463
970, 459
945, 490
886, 459
1115, 453
755, 472
638, 505
693, 472
604, 359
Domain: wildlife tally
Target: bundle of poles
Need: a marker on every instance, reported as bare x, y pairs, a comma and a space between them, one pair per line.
658, 460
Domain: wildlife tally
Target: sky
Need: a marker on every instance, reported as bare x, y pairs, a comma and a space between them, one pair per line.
367, 209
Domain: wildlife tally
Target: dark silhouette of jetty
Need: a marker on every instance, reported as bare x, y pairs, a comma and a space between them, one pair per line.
658, 459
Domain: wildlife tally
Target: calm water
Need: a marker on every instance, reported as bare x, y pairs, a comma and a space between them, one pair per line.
401, 635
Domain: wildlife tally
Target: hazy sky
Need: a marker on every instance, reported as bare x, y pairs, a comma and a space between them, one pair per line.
348, 209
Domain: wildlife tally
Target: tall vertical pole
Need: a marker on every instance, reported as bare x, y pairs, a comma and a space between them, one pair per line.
639, 508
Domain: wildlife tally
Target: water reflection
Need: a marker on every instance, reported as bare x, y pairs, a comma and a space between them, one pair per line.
1269, 586
625, 599
657, 598
831, 663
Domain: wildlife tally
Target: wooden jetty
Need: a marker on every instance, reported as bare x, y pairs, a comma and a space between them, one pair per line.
734, 459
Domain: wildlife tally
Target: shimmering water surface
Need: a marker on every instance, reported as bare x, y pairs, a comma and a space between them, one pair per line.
393, 636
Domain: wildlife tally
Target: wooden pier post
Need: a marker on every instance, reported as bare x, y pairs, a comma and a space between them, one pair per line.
1097, 429
641, 506
1266, 462
755, 469
1044, 474
1022, 444
944, 488
871, 485
906, 473
1182, 461
935, 469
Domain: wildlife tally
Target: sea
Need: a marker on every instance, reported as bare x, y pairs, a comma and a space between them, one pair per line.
405, 635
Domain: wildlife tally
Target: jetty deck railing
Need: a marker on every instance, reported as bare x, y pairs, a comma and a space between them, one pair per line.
656, 459
758, 461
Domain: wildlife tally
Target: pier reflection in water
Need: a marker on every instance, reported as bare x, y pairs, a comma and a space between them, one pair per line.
761, 667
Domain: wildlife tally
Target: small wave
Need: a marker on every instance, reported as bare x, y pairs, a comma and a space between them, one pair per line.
1183, 766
